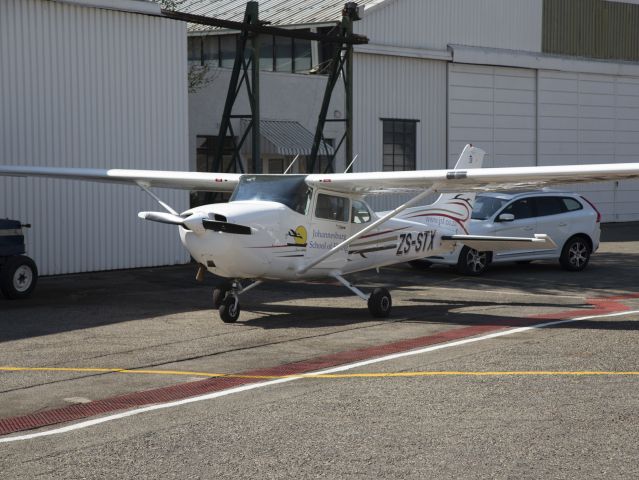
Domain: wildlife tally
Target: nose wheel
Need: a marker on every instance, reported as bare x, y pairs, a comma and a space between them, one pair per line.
230, 309
226, 298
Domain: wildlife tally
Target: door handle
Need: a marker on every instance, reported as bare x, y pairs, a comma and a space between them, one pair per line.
341, 227
563, 224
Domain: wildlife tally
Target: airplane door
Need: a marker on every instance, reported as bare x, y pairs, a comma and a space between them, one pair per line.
330, 226
524, 225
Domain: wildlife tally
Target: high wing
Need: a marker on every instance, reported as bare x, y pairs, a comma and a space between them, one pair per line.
472, 180
206, 182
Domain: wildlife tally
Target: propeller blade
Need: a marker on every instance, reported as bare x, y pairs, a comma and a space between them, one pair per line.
162, 217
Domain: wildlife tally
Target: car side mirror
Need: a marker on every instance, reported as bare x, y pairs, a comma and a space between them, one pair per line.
506, 217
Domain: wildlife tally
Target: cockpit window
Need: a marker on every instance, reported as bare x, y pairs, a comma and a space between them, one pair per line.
359, 212
289, 190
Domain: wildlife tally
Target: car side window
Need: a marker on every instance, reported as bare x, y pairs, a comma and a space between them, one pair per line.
520, 209
571, 204
549, 206
332, 207
359, 212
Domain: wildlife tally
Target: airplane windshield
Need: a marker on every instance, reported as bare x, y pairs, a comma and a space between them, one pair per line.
485, 207
289, 190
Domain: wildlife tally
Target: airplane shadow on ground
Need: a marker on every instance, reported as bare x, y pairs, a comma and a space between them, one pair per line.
77, 302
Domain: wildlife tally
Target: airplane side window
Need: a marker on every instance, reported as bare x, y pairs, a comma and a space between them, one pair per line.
331, 207
359, 213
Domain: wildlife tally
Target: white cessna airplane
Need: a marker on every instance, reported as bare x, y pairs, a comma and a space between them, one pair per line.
292, 227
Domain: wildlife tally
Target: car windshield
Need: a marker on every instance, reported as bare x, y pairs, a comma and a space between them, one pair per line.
485, 207
289, 190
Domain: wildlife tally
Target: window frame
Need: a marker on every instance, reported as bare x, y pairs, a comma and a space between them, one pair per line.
346, 210
408, 157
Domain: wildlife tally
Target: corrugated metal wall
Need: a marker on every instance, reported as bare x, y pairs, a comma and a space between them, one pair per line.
433, 24
494, 108
587, 118
399, 88
591, 28
87, 87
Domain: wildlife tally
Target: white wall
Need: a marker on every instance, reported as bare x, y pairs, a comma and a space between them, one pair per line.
433, 24
399, 88
87, 87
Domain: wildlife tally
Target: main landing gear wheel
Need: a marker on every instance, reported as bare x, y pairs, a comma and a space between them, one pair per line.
380, 303
229, 309
18, 277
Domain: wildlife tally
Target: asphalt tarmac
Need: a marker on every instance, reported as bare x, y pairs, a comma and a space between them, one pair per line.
456, 384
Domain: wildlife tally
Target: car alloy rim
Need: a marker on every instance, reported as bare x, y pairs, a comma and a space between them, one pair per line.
476, 260
578, 254
22, 278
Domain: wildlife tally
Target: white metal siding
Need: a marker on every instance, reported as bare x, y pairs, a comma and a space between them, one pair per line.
87, 87
434, 24
588, 118
399, 88
495, 109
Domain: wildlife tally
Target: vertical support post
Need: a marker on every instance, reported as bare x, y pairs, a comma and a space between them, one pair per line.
347, 28
252, 8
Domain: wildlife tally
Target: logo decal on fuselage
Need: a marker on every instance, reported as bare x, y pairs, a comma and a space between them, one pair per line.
299, 236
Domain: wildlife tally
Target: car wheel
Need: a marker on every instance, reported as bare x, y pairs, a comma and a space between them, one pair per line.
472, 262
576, 254
18, 277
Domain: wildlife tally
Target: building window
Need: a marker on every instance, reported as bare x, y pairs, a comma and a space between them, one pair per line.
399, 144
280, 54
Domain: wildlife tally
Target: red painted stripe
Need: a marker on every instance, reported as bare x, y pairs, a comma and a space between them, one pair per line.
191, 389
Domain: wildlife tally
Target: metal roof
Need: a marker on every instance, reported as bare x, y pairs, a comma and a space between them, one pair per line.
277, 12
287, 138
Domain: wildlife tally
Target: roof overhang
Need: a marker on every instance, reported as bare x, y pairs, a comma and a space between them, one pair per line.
286, 138
133, 6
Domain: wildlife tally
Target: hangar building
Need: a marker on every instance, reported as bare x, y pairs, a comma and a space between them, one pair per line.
99, 84
532, 82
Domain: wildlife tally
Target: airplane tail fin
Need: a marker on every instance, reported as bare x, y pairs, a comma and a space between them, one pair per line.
452, 209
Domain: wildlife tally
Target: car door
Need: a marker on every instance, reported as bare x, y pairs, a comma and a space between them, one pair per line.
330, 226
523, 225
553, 220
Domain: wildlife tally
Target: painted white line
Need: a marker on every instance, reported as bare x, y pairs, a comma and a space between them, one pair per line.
341, 368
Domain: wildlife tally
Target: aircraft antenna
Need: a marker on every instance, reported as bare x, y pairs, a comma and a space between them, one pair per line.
291, 164
352, 162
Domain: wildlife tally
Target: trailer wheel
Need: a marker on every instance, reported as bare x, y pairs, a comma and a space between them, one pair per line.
18, 277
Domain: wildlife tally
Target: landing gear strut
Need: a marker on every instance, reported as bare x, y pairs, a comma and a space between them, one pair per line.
379, 302
226, 299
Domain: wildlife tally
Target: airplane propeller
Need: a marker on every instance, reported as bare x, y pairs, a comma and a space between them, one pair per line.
193, 222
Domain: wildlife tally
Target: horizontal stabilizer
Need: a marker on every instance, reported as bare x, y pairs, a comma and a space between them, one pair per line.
484, 243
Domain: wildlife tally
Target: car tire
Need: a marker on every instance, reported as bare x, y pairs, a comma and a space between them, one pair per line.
473, 263
575, 254
18, 277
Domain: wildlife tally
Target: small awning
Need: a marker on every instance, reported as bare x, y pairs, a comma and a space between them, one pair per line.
282, 137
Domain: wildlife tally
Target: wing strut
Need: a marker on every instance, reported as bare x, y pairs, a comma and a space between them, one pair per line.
376, 223
157, 199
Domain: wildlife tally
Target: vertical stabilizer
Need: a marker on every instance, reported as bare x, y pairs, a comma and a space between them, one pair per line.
451, 209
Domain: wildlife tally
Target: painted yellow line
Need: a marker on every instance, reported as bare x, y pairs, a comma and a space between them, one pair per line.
332, 375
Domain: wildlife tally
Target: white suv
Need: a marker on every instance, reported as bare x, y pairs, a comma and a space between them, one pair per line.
568, 218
